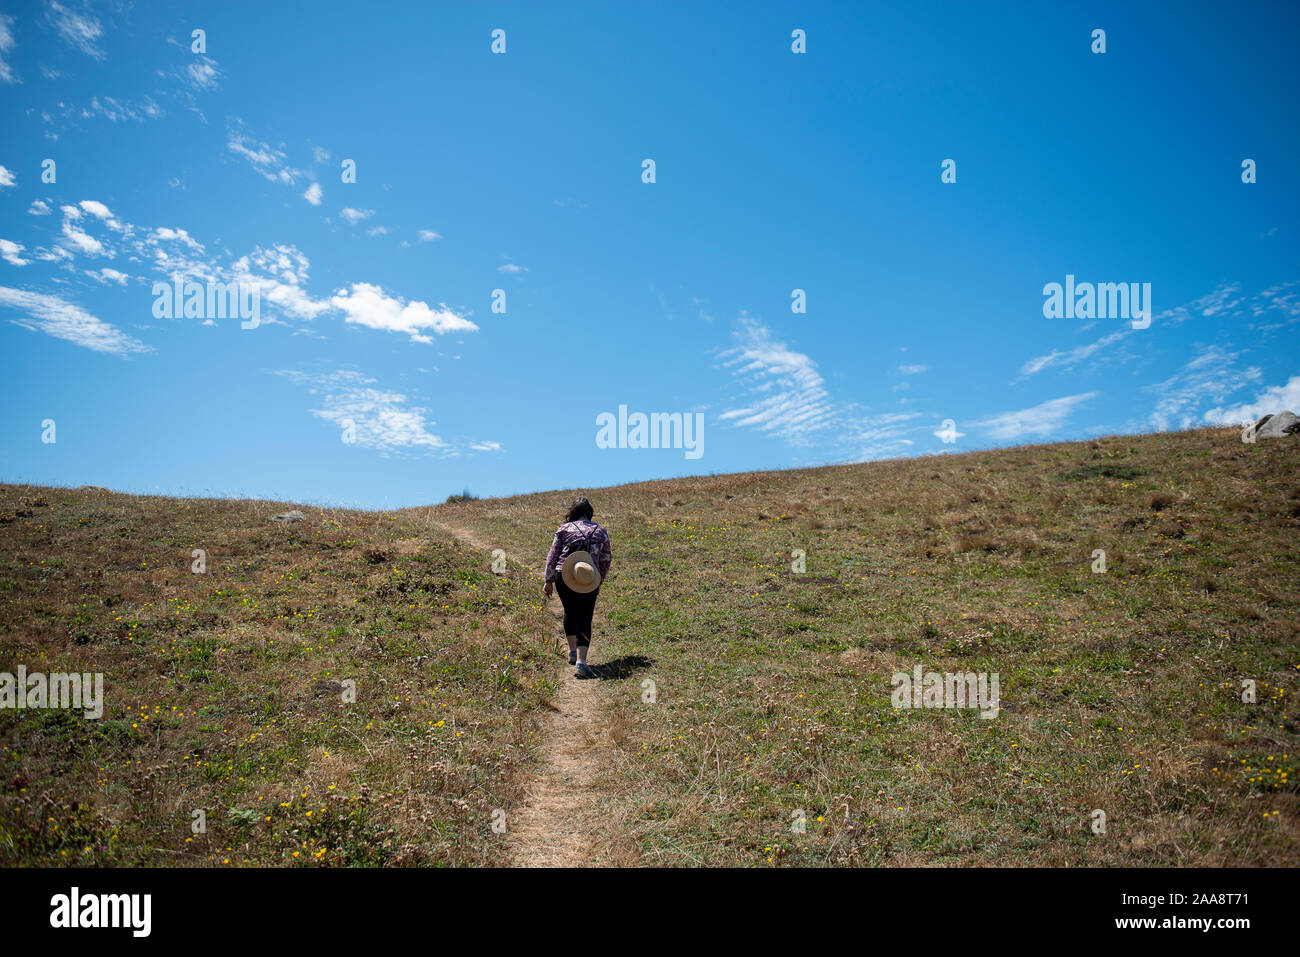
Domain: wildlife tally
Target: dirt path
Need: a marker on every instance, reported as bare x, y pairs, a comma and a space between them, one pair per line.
557, 825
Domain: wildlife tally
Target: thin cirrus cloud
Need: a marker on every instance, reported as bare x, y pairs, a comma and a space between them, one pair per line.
79, 31
1212, 376
373, 417
354, 216
1264, 313
1272, 400
269, 161
883, 435
786, 395
1039, 421
65, 320
7, 44
376, 418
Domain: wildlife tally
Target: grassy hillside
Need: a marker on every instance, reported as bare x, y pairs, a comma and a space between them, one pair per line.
224, 689
1121, 691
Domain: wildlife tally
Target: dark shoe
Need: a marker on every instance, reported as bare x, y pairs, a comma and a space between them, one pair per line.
584, 670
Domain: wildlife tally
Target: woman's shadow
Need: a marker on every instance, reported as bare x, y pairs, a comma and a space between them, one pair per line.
624, 667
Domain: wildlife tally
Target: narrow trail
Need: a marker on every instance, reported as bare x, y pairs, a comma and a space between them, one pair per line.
557, 824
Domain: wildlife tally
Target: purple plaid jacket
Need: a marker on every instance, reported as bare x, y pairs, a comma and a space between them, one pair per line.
571, 533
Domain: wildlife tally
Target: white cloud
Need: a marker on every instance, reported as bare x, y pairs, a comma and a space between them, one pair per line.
106, 275
102, 213
77, 30
883, 435
313, 194
512, 268
9, 252
1224, 298
1072, 356
267, 160
51, 254
1039, 420
1274, 399
39, 208
355, 216
167, 234
377, 231
279, 274
7, 177
203, 74
379, 419
1211, 376
115, 110
63, 320
912, 369
366, 305
428, 236
7, 45
787, 397
319, 154
77, 238
486, 446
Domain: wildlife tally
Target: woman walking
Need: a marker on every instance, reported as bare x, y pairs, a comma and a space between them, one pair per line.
577, 563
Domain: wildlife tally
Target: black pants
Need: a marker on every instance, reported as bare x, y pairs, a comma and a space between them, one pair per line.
578, 608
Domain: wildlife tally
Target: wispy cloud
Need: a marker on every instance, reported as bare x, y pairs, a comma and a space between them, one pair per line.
267, 160
1039, 421
377, 418
884, 435
1073, 356
1274, 399
786, 395
64, 320
912, 369
107, 275
314, 194
203, 74
355, 216
1224, 299
80, 31
1211, 377
7, 44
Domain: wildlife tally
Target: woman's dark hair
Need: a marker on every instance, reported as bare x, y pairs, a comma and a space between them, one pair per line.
580, 508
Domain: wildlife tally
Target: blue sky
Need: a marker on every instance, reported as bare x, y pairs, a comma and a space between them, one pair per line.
522, 171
